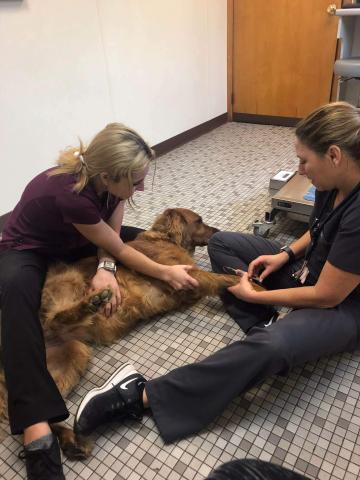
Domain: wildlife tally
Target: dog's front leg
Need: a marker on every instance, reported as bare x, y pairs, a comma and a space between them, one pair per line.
211, 283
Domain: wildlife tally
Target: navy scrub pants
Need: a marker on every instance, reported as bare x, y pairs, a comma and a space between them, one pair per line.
188, 398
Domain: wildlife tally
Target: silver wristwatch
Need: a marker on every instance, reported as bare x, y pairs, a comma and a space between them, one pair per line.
108, 265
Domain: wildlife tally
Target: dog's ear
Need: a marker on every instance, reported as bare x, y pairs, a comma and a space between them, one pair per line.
173, 224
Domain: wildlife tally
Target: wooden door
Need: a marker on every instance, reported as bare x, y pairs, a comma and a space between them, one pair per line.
283, 55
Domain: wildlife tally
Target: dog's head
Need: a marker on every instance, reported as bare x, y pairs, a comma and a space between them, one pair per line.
184, 227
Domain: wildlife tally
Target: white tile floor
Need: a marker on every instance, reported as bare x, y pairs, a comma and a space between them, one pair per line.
308, 422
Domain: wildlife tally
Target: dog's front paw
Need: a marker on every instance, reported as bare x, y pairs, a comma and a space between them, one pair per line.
99, 299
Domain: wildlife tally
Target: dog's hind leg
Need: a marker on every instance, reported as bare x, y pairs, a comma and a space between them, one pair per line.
3, 396
3, 391
80, 313
67, 362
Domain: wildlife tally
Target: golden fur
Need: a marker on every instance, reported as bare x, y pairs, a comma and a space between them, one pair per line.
67, 314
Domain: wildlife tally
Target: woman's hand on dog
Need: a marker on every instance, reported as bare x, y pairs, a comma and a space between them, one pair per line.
105, 279
265, 264
245, 289
178, 278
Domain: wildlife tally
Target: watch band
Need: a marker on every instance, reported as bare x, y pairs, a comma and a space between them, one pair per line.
107, 265
288, 250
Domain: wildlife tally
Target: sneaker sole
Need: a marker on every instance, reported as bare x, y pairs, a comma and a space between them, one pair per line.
126, 369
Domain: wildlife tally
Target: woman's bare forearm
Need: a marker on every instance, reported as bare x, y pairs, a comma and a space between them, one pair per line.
107, 239
299, 297
135, 260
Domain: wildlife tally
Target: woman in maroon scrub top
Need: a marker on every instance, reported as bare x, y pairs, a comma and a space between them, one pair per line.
67, 212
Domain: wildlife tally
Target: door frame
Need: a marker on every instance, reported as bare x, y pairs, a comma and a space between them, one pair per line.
230, 57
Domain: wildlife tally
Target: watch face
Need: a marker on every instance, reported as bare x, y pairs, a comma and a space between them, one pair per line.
108, 265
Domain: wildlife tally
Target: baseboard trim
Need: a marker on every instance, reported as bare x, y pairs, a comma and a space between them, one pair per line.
191, 134
265, 119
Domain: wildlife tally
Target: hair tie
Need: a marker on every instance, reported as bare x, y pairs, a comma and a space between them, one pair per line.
79, 155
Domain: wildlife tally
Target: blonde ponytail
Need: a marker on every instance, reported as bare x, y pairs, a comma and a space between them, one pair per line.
117, 150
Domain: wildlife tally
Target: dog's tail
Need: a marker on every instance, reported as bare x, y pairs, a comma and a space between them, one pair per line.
73, 446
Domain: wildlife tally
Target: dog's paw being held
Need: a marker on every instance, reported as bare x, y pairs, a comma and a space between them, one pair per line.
98, 299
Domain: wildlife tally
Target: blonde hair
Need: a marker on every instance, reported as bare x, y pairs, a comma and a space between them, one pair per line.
336, 123
117, 150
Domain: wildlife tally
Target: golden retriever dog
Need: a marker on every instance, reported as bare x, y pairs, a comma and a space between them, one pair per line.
73, 321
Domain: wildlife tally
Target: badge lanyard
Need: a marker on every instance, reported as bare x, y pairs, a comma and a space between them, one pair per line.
316, 229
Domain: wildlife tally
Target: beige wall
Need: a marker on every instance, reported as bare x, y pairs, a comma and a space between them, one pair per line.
68, 67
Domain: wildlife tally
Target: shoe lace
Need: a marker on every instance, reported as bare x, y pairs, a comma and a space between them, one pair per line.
39, 463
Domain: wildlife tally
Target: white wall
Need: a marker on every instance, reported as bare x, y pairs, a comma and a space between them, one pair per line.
68, 67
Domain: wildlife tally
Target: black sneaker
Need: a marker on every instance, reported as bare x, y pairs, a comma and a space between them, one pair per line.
119, 397
43, 464
272, 320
